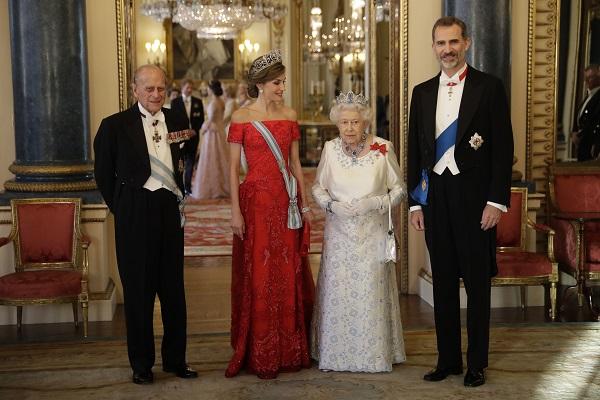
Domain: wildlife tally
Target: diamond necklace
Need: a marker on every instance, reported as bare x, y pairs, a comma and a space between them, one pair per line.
354, 153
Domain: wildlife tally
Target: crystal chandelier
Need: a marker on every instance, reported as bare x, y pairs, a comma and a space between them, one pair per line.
223, 19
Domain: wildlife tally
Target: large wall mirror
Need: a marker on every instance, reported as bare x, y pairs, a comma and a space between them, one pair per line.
334, 45
579, 47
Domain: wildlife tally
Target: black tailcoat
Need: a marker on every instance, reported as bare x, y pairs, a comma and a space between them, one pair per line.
196, 119
588, 125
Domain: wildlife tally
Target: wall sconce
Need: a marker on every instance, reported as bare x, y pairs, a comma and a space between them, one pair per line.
248, 52
156, 52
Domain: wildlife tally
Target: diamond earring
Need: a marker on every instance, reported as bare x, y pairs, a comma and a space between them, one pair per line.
260, 90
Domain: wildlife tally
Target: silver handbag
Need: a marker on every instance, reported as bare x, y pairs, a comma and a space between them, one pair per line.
390, 238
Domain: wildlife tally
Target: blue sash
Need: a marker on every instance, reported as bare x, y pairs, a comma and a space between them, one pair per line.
443, 142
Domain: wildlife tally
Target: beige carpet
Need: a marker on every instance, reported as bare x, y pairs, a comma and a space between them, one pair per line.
554, 361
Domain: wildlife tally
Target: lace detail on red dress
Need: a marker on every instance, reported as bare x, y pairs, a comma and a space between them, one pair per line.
272, 290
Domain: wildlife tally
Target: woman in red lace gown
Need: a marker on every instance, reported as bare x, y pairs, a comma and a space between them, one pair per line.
272, 289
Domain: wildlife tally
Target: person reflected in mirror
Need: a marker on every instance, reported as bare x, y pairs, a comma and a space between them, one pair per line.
243, 100
356, 320
272, 288
192, 109
172, 93
203, 92
242, 94
460, 153
231, 104
211, 180
137, 171
586, 133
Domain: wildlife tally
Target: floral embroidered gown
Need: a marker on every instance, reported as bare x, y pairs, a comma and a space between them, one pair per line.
356, 319
271, 290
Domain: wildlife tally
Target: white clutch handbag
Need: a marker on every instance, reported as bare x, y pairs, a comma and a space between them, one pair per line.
390, 237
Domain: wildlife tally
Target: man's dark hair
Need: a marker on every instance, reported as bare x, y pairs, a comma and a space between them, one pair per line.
449, 21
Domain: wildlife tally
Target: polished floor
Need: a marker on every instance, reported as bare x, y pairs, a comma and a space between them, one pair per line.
207, 281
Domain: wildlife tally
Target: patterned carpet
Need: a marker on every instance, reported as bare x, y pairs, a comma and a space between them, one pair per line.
550, 361
207, 231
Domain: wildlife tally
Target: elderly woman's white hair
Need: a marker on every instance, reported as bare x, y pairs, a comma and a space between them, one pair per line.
363, 110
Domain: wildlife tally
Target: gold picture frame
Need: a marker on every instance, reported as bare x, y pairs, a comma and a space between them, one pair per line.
199, 59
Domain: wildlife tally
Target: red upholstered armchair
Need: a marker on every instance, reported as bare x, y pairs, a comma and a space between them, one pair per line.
574, 191
516, 265
51, 261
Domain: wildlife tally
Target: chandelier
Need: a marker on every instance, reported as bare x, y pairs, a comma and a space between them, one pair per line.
347, 35
222, 19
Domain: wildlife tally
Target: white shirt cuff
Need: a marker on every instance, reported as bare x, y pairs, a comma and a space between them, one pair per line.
498, 206
414, 208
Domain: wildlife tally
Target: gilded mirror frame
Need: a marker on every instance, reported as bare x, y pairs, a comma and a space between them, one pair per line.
543, 25
542, 86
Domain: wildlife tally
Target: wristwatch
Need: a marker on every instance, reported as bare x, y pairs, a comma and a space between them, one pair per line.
305, 210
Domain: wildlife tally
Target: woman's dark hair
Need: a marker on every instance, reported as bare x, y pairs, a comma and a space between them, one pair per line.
262, 76
216, 87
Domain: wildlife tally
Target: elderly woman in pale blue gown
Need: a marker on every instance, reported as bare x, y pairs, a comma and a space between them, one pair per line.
356, 321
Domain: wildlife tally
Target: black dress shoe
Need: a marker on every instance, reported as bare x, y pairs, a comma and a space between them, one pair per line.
143, 378
185, 371
474, 378
439, 374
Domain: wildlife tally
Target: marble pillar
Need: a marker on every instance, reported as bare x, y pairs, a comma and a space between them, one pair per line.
50, 91
488, 25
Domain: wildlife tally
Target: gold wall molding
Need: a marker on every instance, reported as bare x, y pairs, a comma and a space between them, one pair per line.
296, 55
398, 81
51, 169
125, 15
50, 186
541, 91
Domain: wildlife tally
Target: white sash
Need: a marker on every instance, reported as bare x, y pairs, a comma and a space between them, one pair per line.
294, 217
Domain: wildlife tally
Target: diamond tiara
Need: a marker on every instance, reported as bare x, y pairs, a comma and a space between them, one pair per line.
351, 98
264, 61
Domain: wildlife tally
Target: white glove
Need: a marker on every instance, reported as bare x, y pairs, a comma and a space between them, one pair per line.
363, 206
342, 209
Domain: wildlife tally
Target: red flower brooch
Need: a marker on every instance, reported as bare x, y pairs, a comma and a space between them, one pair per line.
381, 147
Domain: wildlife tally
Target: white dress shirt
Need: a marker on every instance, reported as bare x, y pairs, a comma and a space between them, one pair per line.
160, 149
590, 94
187, 102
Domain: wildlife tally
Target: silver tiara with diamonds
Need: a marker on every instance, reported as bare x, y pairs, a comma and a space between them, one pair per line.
351, 98
265, 61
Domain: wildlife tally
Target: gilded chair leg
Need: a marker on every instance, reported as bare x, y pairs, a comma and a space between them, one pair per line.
19, 317
523, 298
75, 313
84, 310
553, 308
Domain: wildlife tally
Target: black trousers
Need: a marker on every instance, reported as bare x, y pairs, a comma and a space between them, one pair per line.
189, 158
188, 162
149, 242
459, 248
